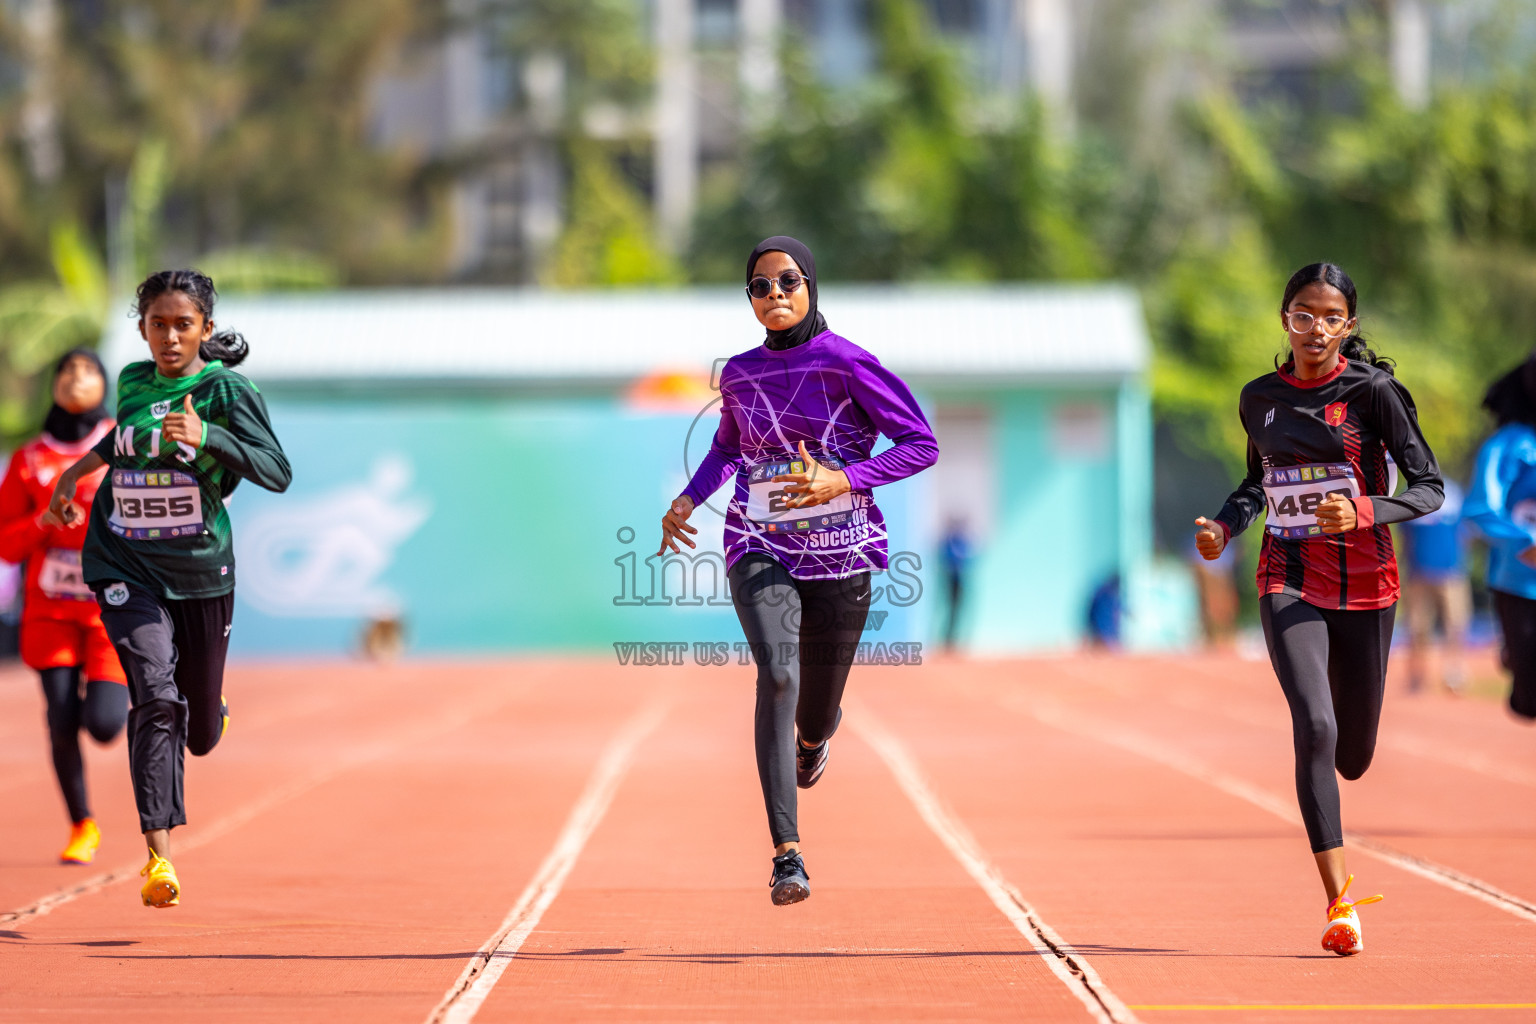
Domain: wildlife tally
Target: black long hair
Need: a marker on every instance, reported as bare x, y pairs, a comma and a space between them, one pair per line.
226, 346
1354, 346
1512, 398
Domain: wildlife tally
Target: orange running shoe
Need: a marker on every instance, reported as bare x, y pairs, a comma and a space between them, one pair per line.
1342, 936
83, 840
161, 889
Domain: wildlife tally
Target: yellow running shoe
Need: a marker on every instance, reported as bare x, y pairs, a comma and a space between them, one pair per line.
161, 889
83, 840
1342, 936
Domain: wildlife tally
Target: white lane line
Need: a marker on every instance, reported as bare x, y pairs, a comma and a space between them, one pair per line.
1418, 746
1395, 738
357, 756
464, 999
1180, 761
1065, 962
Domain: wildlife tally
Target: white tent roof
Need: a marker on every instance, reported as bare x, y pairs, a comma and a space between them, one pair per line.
974, 333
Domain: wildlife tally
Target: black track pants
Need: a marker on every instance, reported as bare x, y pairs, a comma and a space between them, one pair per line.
803, 635
1332, 666
173, 653
100, 711
1517, 617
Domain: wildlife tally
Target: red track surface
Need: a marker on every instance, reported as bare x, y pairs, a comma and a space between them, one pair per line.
362, 832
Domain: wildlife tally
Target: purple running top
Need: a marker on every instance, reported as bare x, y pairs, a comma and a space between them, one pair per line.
837, 398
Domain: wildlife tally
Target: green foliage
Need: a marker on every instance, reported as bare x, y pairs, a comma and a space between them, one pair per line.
898, 179
41, 320
916, 174
607, 240
604, 69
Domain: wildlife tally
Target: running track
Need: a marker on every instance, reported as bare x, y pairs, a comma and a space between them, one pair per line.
1046, 840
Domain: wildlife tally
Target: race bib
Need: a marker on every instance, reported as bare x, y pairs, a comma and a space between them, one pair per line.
155, 505
1294, 493
766, 501
61, 578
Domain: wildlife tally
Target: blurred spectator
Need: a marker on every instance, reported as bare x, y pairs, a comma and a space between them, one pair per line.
383, 638
1438, 587
956, 555
1218, 595
1104, 609
1502, 505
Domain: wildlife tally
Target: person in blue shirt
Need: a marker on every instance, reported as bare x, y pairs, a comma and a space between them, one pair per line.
1502, 505
1438, 586
956, 556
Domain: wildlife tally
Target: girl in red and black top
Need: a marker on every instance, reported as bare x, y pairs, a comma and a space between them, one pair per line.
1320, 430
61, 632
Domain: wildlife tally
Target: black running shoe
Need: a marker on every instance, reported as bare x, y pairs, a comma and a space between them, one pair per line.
790, 883
810, 762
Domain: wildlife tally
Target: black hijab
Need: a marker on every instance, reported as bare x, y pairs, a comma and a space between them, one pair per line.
70, 427
813, 323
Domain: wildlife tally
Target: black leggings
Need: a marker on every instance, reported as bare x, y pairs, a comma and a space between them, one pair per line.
101, 711
173, 653
803, 635
1332, 666
1517, 618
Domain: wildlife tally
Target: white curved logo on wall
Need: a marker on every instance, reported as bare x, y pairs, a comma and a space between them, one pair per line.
325, 556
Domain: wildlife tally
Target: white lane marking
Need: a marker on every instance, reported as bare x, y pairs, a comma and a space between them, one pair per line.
1180, 761
375, 751
1418, 746
1394, 739
1065, 962
464, 999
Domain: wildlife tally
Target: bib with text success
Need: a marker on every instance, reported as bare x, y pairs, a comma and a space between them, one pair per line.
1295, 492
766, 501
61, 578
155, 505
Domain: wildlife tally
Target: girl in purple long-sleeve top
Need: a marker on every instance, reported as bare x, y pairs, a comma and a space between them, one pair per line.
799, 418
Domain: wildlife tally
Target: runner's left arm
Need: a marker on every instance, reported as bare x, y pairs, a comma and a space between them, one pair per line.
247, 445
888, 402
1398, 424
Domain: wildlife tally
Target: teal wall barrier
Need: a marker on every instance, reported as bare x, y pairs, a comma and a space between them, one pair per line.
492, 524
489, 525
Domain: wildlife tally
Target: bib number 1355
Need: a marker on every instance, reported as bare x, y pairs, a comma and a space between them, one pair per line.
155, 505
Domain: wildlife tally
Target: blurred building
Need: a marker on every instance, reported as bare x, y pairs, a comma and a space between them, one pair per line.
493, 115
490, 467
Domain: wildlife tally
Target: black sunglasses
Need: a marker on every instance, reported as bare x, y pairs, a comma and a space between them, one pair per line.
761, 287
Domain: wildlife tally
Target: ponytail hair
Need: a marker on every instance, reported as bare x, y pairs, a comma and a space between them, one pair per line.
226, 346
1512, 398
1353, 347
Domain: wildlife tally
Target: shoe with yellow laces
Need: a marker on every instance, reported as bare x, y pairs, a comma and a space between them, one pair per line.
1342, 936
161, 889
84, 837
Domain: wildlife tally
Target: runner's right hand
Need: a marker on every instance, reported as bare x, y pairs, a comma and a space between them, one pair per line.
62, 510
1211, 539
674, 525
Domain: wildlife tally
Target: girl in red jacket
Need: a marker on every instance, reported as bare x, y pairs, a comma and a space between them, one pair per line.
61, 632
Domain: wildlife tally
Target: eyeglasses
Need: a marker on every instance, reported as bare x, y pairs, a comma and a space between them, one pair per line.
762, 287
1301, 323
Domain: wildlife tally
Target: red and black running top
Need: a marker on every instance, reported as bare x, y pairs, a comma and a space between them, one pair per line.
1356, 414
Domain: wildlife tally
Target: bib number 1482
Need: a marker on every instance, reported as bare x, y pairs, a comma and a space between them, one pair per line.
1305, 504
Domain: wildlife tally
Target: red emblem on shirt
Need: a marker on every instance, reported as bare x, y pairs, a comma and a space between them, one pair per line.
1333, 415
